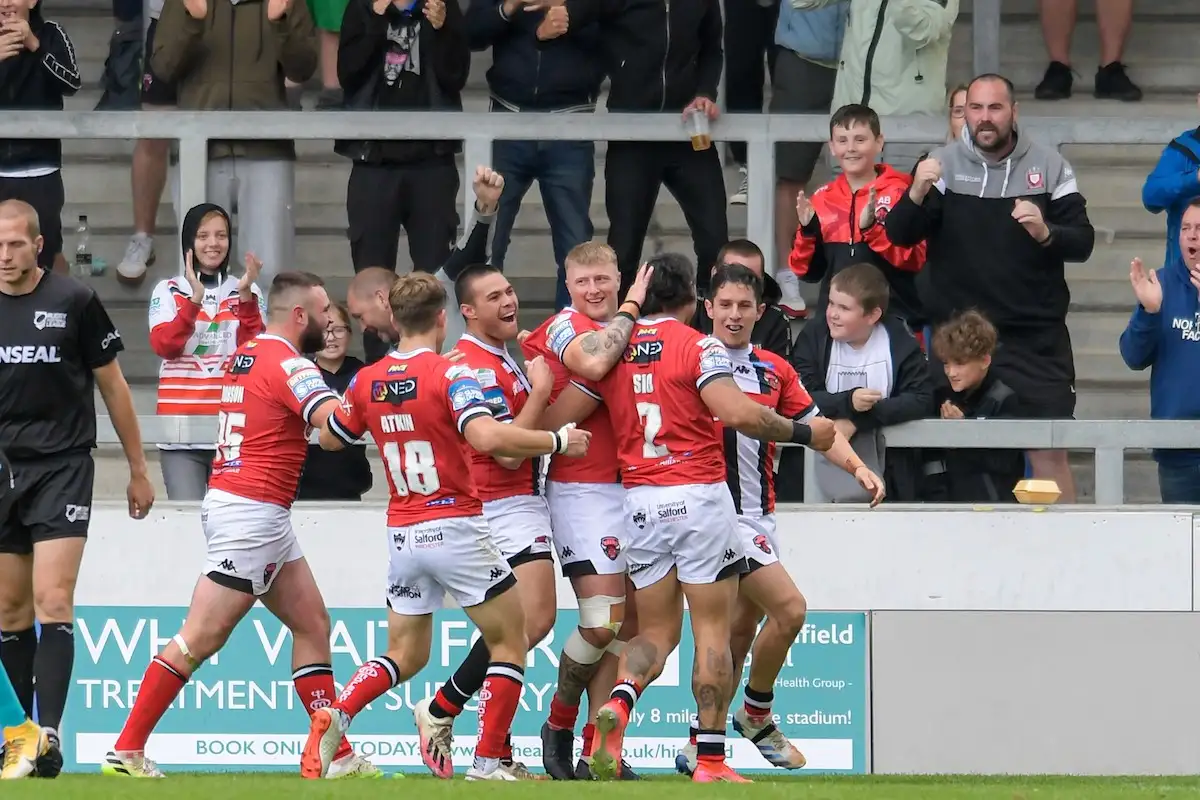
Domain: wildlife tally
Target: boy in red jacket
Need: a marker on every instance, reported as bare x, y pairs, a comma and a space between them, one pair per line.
842, 223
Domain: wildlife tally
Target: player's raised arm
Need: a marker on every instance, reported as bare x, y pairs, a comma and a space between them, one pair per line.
591, 355
541, 379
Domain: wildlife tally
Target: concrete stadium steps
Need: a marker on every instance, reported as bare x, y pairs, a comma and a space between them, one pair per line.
1159, 54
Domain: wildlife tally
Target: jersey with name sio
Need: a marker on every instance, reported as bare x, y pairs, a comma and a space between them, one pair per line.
665, 433
50, 341
550, 341
268, 398
416, 406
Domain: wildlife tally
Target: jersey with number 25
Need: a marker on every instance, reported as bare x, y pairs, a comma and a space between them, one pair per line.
416, 406
666, 436
268, 398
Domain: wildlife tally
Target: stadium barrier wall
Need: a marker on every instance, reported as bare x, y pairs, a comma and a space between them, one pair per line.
990, 641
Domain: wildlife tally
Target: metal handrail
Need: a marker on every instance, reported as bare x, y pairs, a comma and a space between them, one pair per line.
1109, 439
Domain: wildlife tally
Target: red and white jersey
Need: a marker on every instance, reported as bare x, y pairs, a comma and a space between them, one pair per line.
195, 341
750, 462
416, 405
550, 340
268, 397
506, 390
665, 433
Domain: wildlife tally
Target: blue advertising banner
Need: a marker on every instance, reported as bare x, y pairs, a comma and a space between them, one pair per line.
240, 713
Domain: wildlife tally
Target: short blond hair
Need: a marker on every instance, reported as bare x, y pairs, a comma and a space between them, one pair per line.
416, 299
19, 209
590, 254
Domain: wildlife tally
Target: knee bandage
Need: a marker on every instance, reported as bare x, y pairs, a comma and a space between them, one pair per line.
192, 663
594, 612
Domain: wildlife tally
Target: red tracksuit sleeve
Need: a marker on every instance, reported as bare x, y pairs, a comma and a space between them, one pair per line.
909, 259
167, 339
806, 247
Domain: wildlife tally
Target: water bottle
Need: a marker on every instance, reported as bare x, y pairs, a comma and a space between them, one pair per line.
83, 248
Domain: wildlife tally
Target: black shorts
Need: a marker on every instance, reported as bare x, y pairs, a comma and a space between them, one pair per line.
45, 193
155, 91
1039, 366
800, 87
52, 499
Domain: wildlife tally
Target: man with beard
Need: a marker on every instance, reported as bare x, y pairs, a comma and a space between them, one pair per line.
1004, 215
270, 397
367, 297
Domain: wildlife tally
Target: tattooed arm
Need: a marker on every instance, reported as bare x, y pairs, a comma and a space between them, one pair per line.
594, 353
732, 407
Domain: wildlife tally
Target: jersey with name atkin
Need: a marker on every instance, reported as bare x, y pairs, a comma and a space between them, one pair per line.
506, 390
50, 341
268, 399
749, 462
666, 435
416, 406
550, 340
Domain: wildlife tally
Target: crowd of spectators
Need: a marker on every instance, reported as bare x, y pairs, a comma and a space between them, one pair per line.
904, 327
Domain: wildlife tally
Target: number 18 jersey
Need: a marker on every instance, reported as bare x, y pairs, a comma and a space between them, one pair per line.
416, 406
666, 436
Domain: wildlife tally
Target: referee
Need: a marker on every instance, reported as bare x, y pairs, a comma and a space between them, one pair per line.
56, 343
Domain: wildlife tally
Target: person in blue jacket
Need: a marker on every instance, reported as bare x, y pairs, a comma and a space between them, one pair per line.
1164, 335
1174, 181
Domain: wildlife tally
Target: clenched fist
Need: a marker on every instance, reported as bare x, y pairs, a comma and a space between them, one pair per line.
554, 24
928, 173
435, 13
488, 185
1030, 216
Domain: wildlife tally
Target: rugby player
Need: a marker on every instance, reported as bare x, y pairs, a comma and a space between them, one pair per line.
418, 406
270, 396
683, 535
587, 516
736, 303
57, 345
511, 491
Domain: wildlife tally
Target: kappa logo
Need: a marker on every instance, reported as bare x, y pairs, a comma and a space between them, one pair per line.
49, 319
567, 553
611, 546
495, 574
730, 555
227, 565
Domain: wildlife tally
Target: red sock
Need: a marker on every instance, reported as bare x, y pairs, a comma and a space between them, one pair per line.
160, 686
314, 685
562, 716
589, 731
626, 692
498, 701
445, 706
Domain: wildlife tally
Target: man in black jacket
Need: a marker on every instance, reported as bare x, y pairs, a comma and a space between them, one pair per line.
541, 62
772, 331
1001, 215
662, 56
37, 70
400, 55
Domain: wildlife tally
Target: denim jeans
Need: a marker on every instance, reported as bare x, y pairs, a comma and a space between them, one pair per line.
1179, 483
565, 172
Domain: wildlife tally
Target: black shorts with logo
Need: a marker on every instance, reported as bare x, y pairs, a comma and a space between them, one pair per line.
52, 499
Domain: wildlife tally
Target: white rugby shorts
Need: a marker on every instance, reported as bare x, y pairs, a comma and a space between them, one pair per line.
589, 527
454, 555
248, 540
693, 528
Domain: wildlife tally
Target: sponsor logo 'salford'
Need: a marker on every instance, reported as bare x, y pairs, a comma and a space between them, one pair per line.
49, 319
429, 538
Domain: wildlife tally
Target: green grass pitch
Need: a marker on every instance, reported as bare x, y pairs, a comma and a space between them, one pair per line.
252, 786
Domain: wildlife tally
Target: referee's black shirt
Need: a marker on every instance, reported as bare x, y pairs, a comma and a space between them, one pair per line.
50, 341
